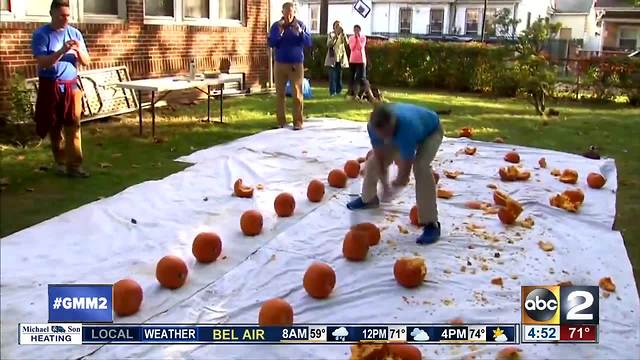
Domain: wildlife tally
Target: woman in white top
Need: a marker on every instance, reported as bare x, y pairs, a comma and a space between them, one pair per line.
336, 58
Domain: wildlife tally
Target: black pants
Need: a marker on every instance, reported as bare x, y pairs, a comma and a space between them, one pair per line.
356, 78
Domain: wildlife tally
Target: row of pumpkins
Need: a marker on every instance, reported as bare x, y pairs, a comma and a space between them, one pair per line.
319, 279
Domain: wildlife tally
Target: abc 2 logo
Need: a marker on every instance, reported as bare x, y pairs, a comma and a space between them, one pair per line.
558, 305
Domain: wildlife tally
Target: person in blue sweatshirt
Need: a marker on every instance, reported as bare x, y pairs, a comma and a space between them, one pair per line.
412, 135
289, 37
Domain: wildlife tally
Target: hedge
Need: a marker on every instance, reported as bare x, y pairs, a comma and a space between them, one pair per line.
429, 64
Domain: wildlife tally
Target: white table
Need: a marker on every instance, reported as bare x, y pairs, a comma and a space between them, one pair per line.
169, 84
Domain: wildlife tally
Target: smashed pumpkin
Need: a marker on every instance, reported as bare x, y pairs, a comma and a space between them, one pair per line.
242, 191
569, 176
410, 271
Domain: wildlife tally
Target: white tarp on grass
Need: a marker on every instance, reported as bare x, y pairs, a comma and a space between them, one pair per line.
98, 243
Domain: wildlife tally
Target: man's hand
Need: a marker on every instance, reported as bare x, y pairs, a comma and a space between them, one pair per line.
295, 27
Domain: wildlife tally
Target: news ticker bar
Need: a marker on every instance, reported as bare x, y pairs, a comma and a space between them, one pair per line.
251, 334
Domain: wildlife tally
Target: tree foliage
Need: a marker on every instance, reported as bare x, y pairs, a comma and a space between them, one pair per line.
537, 76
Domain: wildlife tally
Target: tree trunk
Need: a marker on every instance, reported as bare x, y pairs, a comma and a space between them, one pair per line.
324, 16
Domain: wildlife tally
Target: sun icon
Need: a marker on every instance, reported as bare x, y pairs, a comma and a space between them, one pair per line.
499, 335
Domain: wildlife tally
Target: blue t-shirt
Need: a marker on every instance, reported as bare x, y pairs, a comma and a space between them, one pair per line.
289, 46
46, 41
413, 125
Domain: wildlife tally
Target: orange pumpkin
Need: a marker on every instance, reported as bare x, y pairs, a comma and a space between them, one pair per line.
509, 353
474, 205
445, 194
337, 178
523, 175
514, 207
127, 297
500, 198
543, 163
509, 173
410, 271
284, 205
319, 280
562, 201
275, 312
241, 190
413, 216
575, 195
355, 245
466, 132
171, 272
470, 150
315, 191
206, 247
352, 168
506, 217
596, 181
373, 233
251, 223
405, 352
512, 157
569, 176
369, 351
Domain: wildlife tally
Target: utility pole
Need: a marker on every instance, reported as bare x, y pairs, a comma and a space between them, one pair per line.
324, 16
484, 19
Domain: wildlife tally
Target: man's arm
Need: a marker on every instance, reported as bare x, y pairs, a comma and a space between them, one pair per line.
306, 38
404, 171
81, 51
39, 50
275, 35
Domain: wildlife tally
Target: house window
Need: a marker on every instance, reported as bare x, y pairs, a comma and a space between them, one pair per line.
628, 38
92, 11
196, 9
101, 7
314, 11
471, 22
159, 8
405, 20
230, 9
436, 21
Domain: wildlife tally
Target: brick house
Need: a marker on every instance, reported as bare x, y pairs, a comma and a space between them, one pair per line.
151, 37
620, 24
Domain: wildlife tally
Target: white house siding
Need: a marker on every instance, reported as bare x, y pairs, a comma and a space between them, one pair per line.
537, 8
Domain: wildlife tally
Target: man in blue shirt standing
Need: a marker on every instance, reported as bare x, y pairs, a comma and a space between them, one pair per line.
411, 135
288, 37
58, 48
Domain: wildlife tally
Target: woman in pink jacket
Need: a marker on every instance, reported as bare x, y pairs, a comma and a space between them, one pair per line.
357, 60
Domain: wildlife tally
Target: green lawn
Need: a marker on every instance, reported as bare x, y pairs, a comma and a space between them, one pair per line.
118, 158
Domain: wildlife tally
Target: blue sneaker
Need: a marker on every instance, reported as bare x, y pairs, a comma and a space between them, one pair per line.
430, 235
359, 204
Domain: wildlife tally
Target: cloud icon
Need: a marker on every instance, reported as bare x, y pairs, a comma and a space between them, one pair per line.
502, 338
419, 335
341, 332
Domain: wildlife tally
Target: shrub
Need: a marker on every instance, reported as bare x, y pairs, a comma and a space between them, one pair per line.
428, 64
